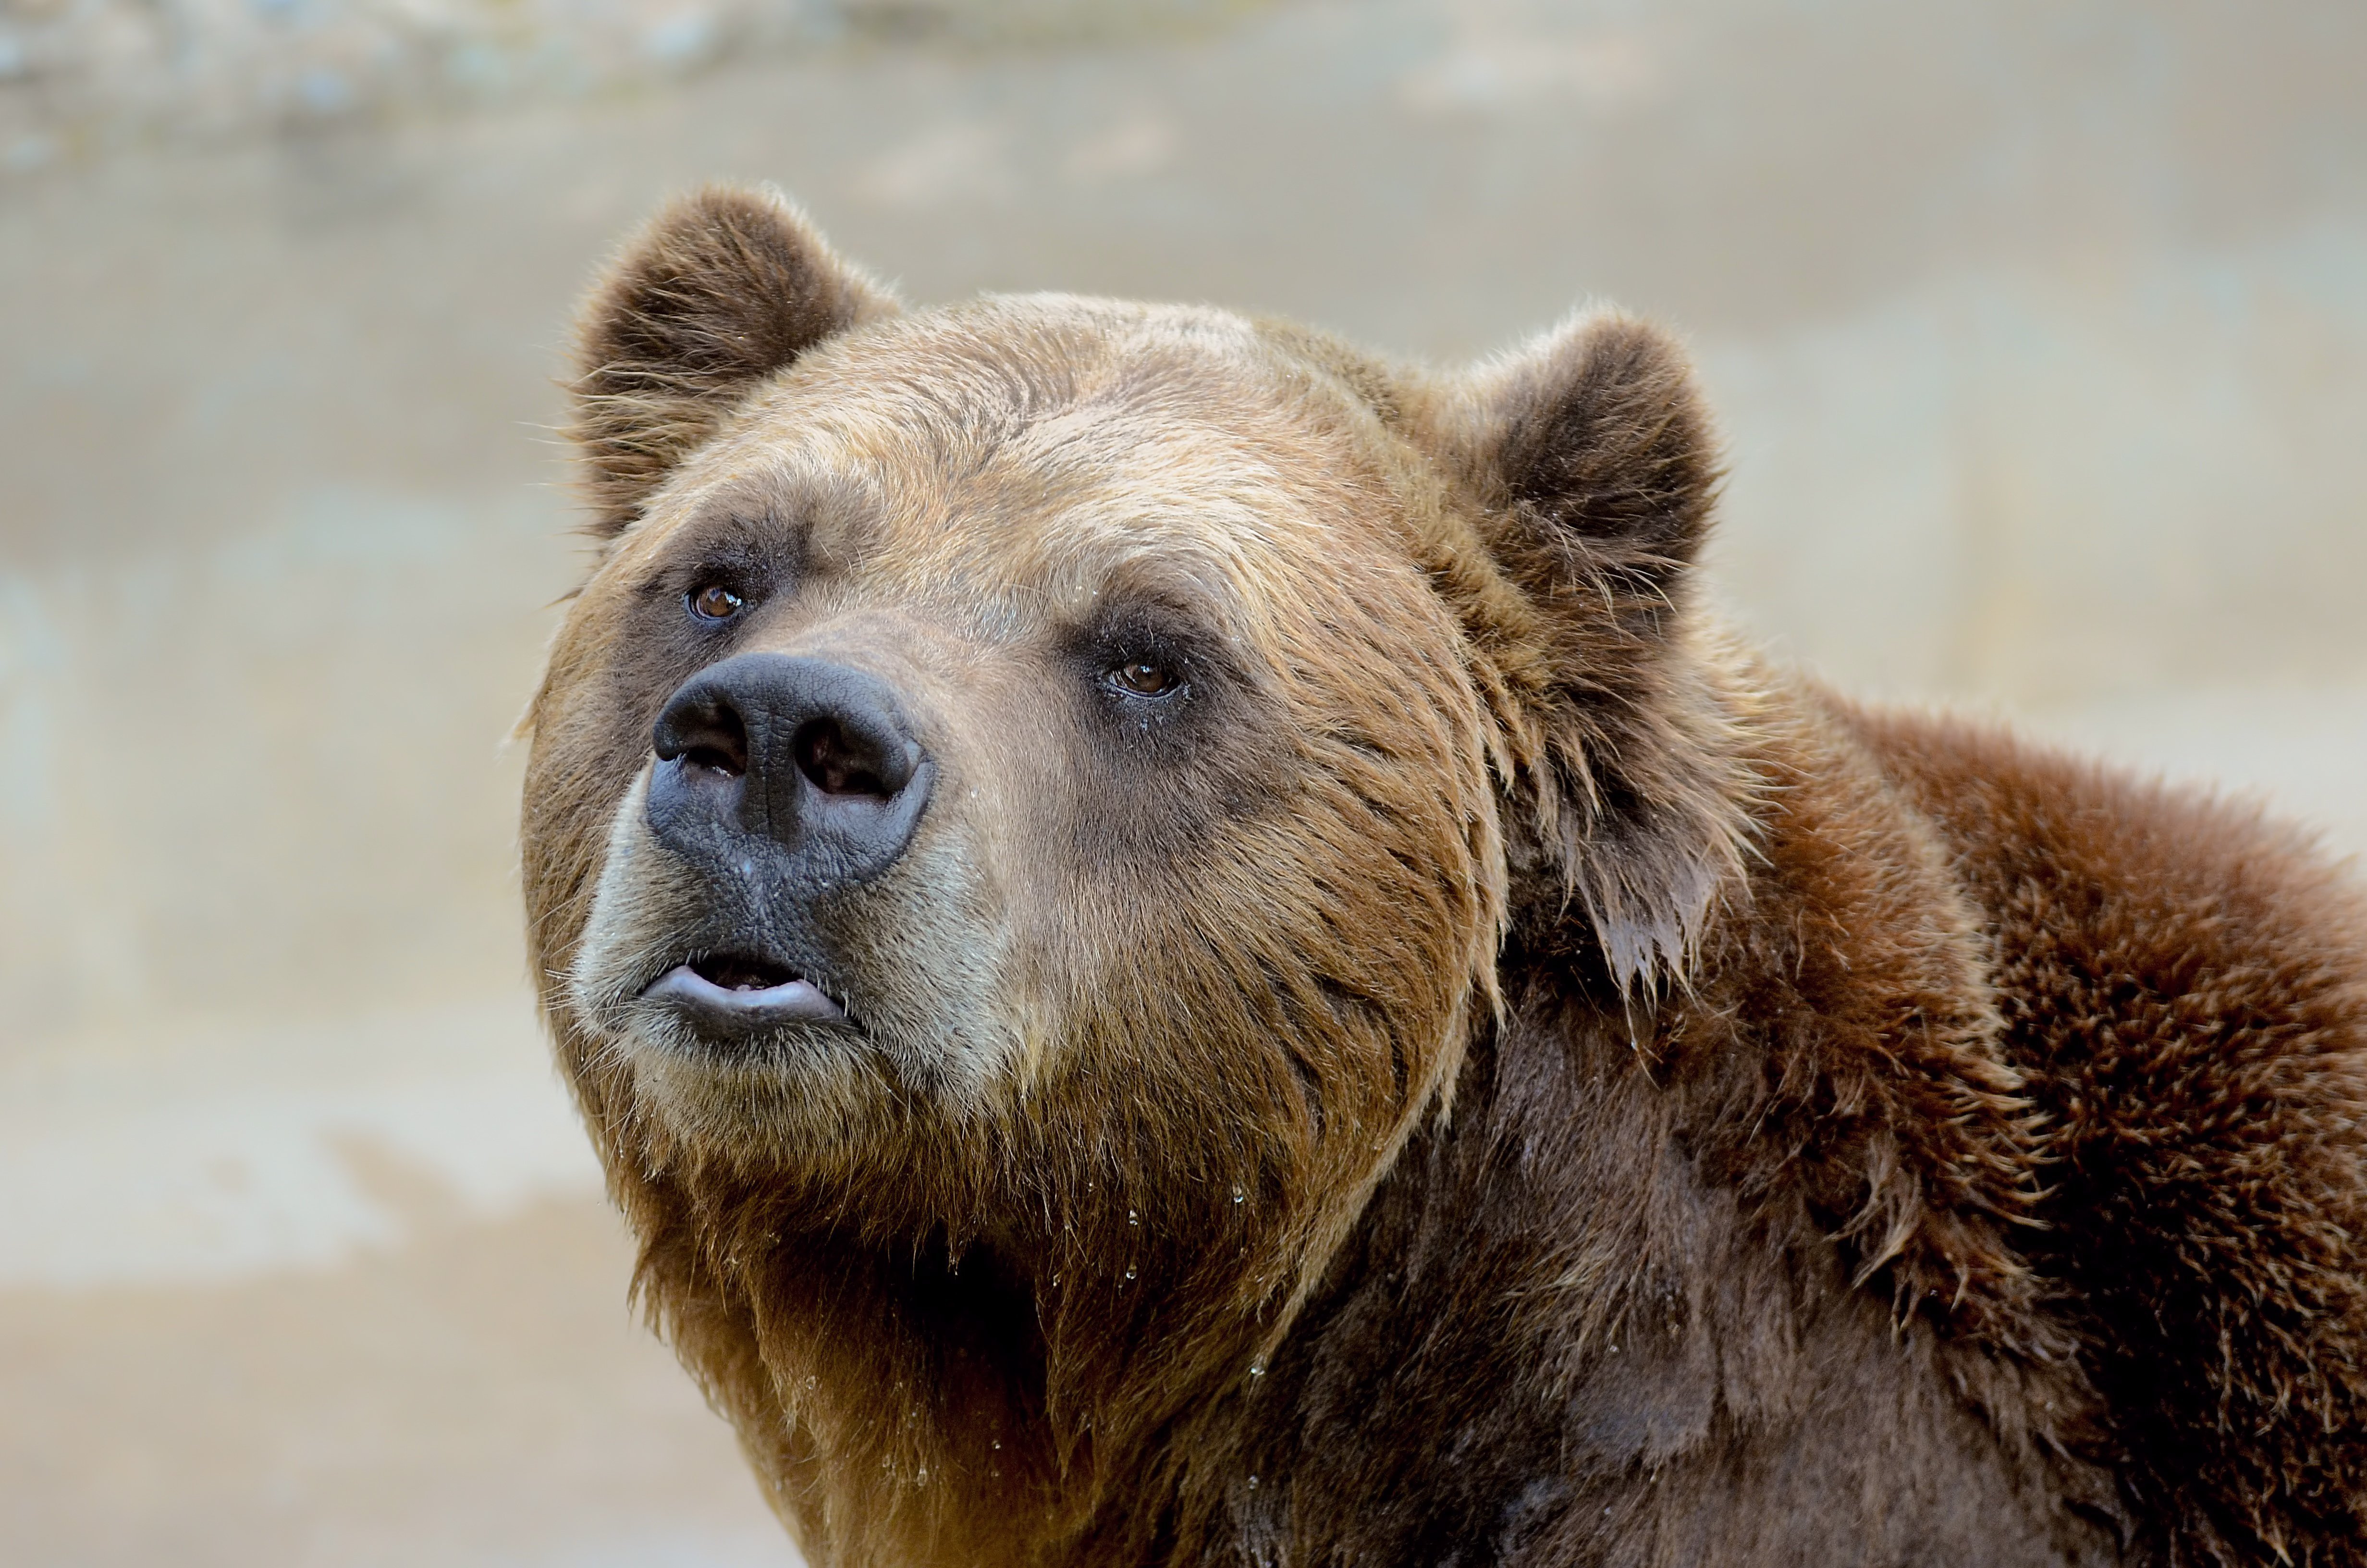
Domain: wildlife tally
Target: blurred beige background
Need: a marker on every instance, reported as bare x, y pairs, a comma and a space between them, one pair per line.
2039, 328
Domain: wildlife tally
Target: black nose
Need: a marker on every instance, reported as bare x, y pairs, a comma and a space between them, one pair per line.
798, 755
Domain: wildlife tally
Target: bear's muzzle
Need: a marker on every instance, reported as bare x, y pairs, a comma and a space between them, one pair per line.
794, 779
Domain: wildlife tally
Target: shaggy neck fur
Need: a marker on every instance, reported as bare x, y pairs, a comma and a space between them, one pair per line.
1641, 1239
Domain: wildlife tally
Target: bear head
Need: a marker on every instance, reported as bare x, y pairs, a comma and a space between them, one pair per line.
1033, 794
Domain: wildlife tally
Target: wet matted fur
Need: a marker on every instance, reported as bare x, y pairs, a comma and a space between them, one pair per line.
1483, 1068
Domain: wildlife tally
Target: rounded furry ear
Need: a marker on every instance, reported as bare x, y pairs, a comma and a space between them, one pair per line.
723, 288
1597, 445
1594, 468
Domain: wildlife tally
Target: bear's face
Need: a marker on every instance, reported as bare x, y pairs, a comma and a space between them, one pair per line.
1012, 698
1053, 775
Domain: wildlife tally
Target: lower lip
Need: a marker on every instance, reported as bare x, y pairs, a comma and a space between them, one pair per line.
730, 1010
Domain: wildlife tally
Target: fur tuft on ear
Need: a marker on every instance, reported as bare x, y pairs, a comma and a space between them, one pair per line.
1596, 471
724, 286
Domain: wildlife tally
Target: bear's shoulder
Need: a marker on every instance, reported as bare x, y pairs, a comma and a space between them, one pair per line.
2182, 981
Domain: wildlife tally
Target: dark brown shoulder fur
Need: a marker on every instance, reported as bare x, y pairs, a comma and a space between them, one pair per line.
2184, 991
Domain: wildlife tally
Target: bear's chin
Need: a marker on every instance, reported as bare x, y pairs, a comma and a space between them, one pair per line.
799, 1104
791, 1096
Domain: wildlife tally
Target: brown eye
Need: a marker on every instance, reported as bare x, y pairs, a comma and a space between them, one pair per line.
714, 602
1143, 679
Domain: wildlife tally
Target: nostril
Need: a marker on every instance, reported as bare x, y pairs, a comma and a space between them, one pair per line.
722, 759
706, 735
838, 763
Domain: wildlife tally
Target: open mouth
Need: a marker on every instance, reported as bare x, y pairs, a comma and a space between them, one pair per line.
734, 993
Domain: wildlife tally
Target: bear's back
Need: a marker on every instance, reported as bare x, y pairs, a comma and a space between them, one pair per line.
2182, 981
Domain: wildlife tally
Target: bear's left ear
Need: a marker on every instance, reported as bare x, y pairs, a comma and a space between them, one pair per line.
1601, 458
1594, 471
723, 288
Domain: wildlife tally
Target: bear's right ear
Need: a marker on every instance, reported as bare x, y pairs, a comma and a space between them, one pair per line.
722, 289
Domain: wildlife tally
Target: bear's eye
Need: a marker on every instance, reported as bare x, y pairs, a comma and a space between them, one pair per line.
714, 602
1141, 678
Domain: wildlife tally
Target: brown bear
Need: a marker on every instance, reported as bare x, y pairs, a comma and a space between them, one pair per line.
1184, 947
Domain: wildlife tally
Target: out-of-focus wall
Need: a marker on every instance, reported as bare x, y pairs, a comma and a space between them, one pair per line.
2039, 331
